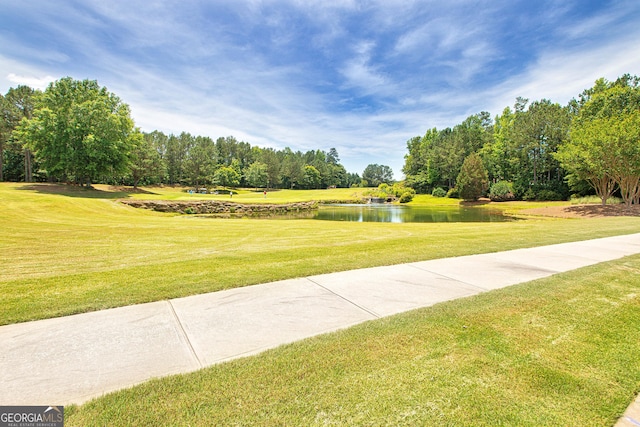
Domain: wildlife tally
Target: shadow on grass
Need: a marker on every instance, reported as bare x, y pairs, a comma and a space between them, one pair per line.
479, 202
70, 190
607, 210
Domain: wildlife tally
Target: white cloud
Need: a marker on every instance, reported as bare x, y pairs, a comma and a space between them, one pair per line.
561, 75
14, 73
359, 73
32, 81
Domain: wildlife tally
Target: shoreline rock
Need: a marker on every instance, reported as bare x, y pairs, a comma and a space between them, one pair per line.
219, 207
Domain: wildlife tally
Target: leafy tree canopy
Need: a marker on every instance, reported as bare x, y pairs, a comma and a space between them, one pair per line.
257, 174
604, 147
376, 174
79, 131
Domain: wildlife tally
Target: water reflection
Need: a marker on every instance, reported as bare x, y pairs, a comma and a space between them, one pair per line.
398, 213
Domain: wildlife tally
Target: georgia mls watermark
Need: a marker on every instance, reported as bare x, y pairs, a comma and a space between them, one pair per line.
31, 416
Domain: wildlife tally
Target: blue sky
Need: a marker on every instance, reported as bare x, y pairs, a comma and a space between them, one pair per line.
360, 76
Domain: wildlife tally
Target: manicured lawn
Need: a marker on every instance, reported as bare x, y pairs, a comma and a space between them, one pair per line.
246, 195
82, 250
562, 351
558, 351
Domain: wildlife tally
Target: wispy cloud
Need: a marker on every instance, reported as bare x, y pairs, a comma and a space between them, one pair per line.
359, 72
560, 74
360, 76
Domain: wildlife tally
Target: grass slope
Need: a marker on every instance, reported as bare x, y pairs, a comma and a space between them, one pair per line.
81, 250
562, 351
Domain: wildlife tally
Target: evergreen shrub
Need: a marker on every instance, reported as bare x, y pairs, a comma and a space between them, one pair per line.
501, 191
438, 192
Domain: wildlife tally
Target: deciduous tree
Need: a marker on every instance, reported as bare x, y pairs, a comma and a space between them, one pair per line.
16, 105
257, 175
311, 177
146, 162
376, 174
227, 177
605, 139
80, 131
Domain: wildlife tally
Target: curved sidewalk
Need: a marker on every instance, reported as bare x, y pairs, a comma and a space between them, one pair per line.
72, 359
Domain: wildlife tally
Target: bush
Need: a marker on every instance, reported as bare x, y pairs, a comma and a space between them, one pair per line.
453, 193
529, 195
384, 188
543, 195
438, 192
549, 195
548, 191
501, 191
399, 188
407, 196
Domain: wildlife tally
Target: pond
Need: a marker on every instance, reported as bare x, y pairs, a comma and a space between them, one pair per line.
399, 213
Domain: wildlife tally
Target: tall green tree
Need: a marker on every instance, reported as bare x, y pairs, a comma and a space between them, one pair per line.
292, 170
337, 175
353, 180
376, 174
227, 177
146, 162
332, 157
605, 139
200, 165
16, 105
538, 132
5, 131
311, 178
160, 143
318, 159
435, 159
414, 160
498, 153
269, 157
472, 180
80, 131
420, 169
176, 155
257, 175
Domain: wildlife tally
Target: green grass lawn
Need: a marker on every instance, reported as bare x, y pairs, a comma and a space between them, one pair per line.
558, 351
241, 195
561, 351
83, 250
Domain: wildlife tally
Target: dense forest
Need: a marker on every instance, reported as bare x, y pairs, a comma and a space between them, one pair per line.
76, 131
539, 150
200, 161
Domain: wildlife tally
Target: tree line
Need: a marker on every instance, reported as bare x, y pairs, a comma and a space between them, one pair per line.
186, 159
76, 131
539, 150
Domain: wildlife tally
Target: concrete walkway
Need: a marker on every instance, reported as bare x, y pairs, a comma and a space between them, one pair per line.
72, 359
631, 417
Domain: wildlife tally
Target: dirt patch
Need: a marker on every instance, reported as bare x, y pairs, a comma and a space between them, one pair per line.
585, 211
